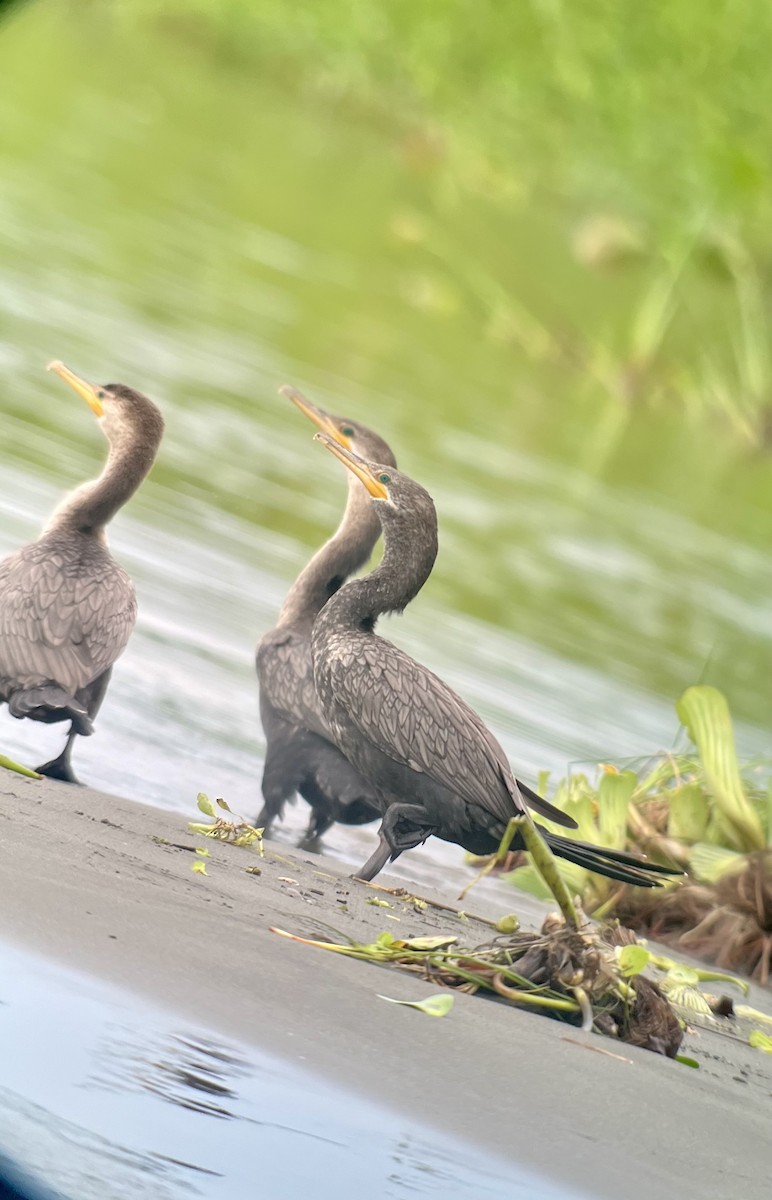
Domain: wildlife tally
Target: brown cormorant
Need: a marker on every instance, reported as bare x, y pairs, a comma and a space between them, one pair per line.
300, 756
436, 768
66, 608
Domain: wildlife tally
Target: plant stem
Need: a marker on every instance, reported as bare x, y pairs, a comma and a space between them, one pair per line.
544, 861
10, 765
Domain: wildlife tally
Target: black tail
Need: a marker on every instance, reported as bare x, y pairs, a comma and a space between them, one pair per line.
537, 802
615, 864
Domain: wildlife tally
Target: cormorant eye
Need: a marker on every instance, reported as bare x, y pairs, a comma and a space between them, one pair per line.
101, 394
384, 478
347, 431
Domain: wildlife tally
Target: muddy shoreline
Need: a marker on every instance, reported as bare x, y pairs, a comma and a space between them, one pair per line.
106, 885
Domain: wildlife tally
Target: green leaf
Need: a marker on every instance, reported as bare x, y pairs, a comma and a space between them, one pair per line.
438, 1005
508, 924
688, 812
205, 804
203, 852
709, 863
378, 903
705, 713
430, 943
632, 960
760, 1041
221, 804
199, 866
615, 792
687, 1062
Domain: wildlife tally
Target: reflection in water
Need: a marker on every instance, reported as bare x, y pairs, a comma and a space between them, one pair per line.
103, 1101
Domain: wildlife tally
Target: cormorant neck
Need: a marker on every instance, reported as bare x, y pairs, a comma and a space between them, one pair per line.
410, 549
93, 505
347, 550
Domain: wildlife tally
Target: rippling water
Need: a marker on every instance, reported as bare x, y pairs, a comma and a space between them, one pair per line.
142, 1105
204, 236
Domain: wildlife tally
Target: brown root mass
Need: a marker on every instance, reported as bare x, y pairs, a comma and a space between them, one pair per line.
728, 923
578, 965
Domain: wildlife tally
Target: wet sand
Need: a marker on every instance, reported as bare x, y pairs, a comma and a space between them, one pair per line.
106, 885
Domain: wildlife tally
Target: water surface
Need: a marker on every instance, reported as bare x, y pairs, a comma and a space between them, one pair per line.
141, 1104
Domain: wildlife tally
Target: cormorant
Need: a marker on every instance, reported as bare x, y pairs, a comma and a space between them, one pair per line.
66, 608
436, 768
300, 756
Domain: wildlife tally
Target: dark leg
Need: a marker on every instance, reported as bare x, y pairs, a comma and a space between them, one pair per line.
377, 860
60, 768
91, 697
403, 827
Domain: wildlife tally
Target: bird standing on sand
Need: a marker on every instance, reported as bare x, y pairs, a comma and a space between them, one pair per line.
436, 768
300, 755
66, 608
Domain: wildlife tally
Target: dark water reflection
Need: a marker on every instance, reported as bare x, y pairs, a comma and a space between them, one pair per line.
105, 1097
208, 237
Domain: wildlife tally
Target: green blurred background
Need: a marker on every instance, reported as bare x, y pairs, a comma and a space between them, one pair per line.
530, 244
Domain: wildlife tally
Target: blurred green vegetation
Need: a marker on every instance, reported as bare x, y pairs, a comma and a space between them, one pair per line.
695, 809
643, 130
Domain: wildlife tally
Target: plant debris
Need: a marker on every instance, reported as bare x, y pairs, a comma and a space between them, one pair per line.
728, 922
237, 833
573, 974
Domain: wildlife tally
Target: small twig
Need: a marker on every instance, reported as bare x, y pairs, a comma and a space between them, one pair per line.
403, 894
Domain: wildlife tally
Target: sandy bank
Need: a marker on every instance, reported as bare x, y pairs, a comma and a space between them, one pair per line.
85, 880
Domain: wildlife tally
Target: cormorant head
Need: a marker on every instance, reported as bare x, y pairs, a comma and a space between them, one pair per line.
348, 434
125, 416
396, 495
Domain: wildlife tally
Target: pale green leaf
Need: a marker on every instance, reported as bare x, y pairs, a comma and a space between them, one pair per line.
709, 863
508, 924
760, 1041
430, 943
632, 960
615, 791
221, 804
688, 812
687, 1062
205, 804
438, 1005
705, 713
203, 852
199, 866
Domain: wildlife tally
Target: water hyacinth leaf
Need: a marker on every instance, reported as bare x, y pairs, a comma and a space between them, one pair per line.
221, 804
434, 1006
205, 804
709, 863
508, 924
199, 866
202, 852
683, 996
632, 960
705, 713
430, 943
687, 1062
760, 1041
615, 792
688, 813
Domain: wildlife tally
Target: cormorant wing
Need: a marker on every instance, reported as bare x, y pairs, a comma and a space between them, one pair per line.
410, 715
59, 622
286, 676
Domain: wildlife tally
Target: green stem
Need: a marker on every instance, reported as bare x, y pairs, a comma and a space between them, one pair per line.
10, 765
544, 861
